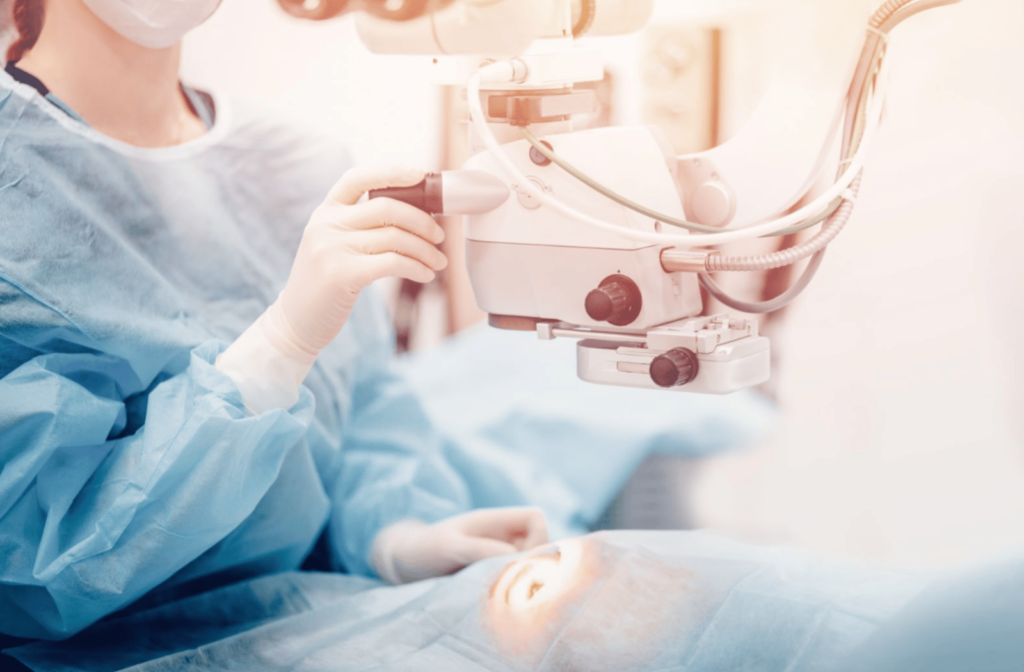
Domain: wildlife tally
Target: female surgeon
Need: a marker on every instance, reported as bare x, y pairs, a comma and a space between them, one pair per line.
194, 378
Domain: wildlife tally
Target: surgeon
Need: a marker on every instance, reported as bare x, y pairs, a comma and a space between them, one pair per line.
195, 380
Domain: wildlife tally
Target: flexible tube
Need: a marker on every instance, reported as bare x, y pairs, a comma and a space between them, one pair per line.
647, 212
904, 13
851, 137
605, 191
858, 89
888, 8
762, 307
895, 12
502, 72
891, 14
883, 21
873, 50
797, 253
766, 262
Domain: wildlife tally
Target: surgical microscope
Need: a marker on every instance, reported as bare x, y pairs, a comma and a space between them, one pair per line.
606, 235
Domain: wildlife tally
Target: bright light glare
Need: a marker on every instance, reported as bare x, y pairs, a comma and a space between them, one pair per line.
540, 578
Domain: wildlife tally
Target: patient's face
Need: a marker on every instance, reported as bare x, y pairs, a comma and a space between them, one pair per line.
581, 601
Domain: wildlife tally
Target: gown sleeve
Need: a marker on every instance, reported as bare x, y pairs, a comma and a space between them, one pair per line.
393, 462
108, 484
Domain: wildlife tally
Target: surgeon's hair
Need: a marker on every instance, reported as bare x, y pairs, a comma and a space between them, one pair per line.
27, 17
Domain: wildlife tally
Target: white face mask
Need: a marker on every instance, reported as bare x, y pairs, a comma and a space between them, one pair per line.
156, 24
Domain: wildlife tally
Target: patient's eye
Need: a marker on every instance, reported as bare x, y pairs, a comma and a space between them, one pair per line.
537, 579
522, 572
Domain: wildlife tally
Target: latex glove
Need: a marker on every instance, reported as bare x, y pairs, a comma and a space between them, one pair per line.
412, 550
346, 246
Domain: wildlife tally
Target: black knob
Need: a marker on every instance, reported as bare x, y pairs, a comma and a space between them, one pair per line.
607, 302
427, 195
617, 301
675, 367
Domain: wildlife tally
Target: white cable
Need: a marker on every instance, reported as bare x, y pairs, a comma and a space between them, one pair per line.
508, 72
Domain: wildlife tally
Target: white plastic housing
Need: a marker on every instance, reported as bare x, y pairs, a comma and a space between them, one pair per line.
477, 27
495, 27
634, 161
471, 192
621, 17
552, 283
529, 261
731, 367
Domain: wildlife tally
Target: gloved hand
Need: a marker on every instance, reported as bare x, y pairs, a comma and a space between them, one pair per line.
411, 550
346, 246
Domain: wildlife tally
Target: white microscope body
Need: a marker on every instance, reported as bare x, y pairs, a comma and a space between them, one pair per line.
533, 268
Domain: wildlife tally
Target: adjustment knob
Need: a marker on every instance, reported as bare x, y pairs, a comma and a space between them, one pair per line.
617, 301
607, 303
674, 368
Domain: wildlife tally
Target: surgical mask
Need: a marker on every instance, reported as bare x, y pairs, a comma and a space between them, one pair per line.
155, 24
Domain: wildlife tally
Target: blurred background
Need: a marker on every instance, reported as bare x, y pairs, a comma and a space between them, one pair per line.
898, 373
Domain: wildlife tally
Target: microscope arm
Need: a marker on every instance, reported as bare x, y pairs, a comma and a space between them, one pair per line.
774, 160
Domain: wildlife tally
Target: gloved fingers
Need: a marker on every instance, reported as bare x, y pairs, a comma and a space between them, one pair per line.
474, 549
357, 181
537, 532
395, 265
381, 241
387, 212
523, 527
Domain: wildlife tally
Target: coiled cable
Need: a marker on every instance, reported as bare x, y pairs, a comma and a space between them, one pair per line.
788, 257
770, 306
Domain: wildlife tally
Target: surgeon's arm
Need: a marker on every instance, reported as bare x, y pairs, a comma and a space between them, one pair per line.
346, 246
398, 504
110, 484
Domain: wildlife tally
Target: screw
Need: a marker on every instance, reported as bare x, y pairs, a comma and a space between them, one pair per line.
539, 158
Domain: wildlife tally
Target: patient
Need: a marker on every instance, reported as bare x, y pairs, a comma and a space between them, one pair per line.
645, 601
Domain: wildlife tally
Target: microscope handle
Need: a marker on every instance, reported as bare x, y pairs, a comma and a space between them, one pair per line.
427, 195
453, 192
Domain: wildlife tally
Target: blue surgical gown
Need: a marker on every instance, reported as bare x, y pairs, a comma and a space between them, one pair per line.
127, 460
